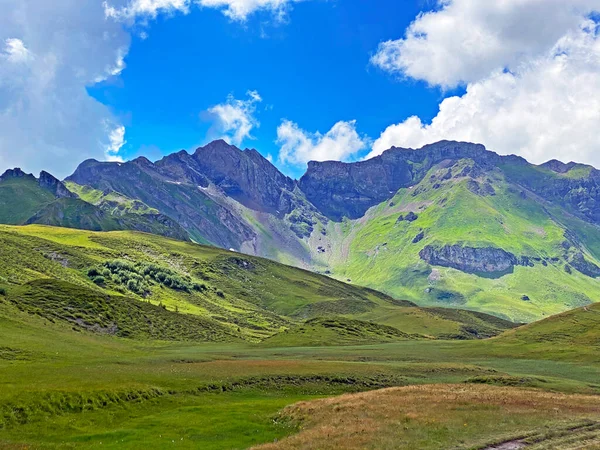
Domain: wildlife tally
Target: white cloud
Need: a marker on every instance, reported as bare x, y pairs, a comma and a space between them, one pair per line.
235, 9
234, 119
145, 8
15, 51
49, 53
342, 142
549, 107
117, 140
465, 40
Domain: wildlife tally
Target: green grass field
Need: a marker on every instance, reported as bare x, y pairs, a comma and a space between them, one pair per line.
62, 389
85, 364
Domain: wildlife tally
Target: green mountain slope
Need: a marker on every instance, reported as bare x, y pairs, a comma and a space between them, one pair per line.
95, 281
115, 203
479, 242
25, 199
20, 198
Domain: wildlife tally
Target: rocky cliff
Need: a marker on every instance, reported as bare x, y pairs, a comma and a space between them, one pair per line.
56, 187
469, 259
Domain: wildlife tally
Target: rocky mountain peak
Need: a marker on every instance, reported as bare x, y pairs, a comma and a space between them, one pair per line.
142, 161
15, 173
246, 176
52, 184
350, 189
182, 168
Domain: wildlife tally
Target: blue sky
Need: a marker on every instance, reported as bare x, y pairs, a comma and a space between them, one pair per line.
298, 80
313, 70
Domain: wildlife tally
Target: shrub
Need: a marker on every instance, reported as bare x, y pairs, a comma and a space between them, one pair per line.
199, 287
133, 286
139, 277
2, 291
99, 280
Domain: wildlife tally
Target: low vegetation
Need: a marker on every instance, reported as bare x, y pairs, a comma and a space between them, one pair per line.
139, 277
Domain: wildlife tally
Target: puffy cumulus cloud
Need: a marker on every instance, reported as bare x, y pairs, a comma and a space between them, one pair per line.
49, 53
116, 138
548, 108
234, 119
298, 147
235, 9
465, 40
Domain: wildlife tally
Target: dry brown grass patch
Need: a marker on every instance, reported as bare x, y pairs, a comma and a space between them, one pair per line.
432, 417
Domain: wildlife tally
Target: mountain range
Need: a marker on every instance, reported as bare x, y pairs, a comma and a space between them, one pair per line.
451, 224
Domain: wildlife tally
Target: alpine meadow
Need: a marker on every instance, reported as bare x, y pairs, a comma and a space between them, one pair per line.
185, 264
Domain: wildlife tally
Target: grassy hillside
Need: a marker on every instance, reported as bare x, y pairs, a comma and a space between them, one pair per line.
383, 252
74, 213
249, 298
113, 202
128, 361
26, 200
21, 198
580, 327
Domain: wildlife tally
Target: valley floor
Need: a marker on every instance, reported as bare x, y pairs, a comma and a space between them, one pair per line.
61, 389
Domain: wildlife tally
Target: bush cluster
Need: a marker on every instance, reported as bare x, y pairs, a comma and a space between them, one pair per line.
139, 277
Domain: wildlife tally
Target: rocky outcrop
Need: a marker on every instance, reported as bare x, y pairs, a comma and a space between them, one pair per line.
469, 259
584, 266
52, 184
410, 217
419, 237
481, 189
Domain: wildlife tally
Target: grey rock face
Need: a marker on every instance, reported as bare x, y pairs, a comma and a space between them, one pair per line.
245, 176
52, 184
470, 260
410, 217
584, 266
181, 200
484, 190
183, 167
15, 173
419, 237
